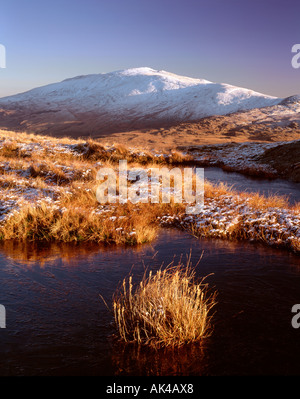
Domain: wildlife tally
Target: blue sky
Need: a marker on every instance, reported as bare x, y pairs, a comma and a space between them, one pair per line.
245, 43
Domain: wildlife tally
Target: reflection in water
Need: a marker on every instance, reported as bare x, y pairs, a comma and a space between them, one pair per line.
45, 253
58, 325
165, 361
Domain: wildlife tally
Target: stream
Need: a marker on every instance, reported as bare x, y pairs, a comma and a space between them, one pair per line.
57, 323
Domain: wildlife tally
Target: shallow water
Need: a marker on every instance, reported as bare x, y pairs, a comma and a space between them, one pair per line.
241, 182
58, 325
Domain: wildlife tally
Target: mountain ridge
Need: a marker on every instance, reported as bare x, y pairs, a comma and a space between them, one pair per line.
124, 100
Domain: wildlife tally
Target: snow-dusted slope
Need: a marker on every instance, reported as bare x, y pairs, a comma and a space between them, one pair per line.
129, 99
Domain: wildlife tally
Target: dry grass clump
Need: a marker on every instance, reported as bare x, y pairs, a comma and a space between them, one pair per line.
48, 172
213, 191
178, 157
295, 245
10, 149
296, 207
90, 150
165, 309
261, 202
46, 223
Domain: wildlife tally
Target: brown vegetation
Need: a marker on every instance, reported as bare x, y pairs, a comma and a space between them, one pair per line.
167, 308
50, 194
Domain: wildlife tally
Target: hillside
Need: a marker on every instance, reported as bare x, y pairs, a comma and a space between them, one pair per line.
121, 101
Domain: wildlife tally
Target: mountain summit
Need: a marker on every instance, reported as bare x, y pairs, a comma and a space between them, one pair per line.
124, 100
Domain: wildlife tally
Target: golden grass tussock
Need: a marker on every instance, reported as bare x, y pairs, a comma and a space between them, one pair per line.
261, 202
295, 245
296, 207
212, 191
46, 223
168, 308
178, 157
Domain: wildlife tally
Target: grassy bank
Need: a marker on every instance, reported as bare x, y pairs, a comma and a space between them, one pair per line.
48, 192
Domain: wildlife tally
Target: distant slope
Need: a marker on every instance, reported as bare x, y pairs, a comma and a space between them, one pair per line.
121, 101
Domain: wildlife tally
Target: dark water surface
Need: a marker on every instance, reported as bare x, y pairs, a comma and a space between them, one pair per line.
241, 182
58, 325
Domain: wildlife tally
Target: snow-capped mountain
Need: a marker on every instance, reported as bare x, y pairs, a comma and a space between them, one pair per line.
124, 100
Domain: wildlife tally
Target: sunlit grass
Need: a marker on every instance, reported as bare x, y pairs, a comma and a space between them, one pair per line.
44, 222
167, 308
261, 202
52, 184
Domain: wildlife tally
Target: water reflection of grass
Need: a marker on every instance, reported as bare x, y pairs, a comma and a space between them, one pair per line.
180, 361
47, 253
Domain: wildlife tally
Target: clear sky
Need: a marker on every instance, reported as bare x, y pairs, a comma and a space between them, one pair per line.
244, 43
